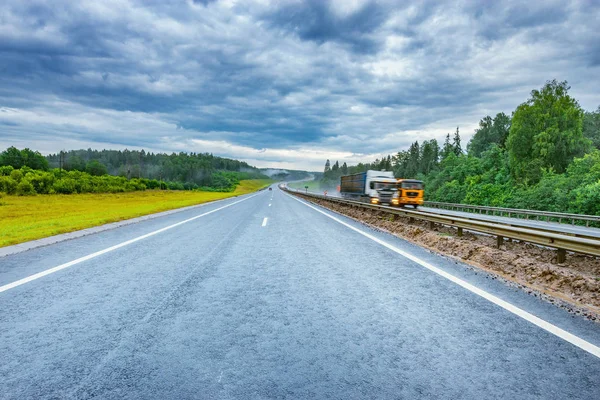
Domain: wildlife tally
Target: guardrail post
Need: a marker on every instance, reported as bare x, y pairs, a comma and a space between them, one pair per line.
499, 241
561, 256
460, 231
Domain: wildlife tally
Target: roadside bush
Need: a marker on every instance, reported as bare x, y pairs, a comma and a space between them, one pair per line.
587, 199
151, 183
16, 175
487, 194
75, 181
5, 170
25, 188
175, 186
41, 181
65, 186
451, 192
7, 185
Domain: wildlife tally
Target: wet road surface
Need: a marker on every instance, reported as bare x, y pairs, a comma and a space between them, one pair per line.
265, 297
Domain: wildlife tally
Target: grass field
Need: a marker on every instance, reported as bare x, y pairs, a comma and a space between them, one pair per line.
34, 217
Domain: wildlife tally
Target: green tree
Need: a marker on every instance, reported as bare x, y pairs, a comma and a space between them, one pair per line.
546, 132
448, 148
591, 127
13, 157
96, 168
34, 160
490, 132
400, 162
456, 147
414, 158
344, 168
75, 163
429, 156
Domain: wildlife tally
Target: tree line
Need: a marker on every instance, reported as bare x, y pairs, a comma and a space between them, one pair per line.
545, 156
26, 172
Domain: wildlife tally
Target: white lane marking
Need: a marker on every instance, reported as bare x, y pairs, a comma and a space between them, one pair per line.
265, 221
269, 205
107, 250
547, 326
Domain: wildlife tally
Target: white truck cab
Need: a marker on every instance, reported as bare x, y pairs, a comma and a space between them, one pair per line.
381, 186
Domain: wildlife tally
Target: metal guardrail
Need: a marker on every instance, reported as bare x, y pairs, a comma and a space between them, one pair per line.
561, 242
510, 212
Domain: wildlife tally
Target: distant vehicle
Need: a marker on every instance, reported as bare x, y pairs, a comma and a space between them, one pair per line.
270, 188
375, 187
410, 191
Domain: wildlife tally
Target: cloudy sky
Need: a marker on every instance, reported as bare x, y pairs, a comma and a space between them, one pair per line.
280, 83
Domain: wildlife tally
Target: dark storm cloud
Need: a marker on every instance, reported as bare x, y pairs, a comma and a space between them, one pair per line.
347, 77
498, 20
315, 21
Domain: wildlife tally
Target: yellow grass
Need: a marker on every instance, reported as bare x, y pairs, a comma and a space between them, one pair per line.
34, 217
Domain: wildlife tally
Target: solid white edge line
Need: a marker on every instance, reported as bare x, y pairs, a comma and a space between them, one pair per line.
264, 223
109, 249
547, 326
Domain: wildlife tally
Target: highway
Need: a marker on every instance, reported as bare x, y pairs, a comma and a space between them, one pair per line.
266, 296
574, 230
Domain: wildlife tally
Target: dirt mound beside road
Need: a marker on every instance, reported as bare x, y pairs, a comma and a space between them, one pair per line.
574, 285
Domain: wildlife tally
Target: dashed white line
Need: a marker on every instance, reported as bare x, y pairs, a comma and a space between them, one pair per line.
547, 326
265, 221
112, 248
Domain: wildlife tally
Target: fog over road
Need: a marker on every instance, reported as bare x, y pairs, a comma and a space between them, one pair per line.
264, 296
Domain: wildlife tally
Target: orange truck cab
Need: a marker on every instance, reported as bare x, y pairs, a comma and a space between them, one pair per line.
410, 191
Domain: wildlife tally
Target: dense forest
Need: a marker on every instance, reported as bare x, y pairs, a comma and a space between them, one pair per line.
26, 172
546, 156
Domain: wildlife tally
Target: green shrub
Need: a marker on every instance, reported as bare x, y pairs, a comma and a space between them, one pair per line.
64, 186
41, 181
7, 185
5, 170
16, 175
587, 199
25, 188
450, 192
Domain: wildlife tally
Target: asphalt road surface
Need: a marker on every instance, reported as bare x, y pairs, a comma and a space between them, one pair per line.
263, 296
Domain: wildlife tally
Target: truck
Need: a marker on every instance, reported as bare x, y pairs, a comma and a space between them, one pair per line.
410, 192
375, 187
